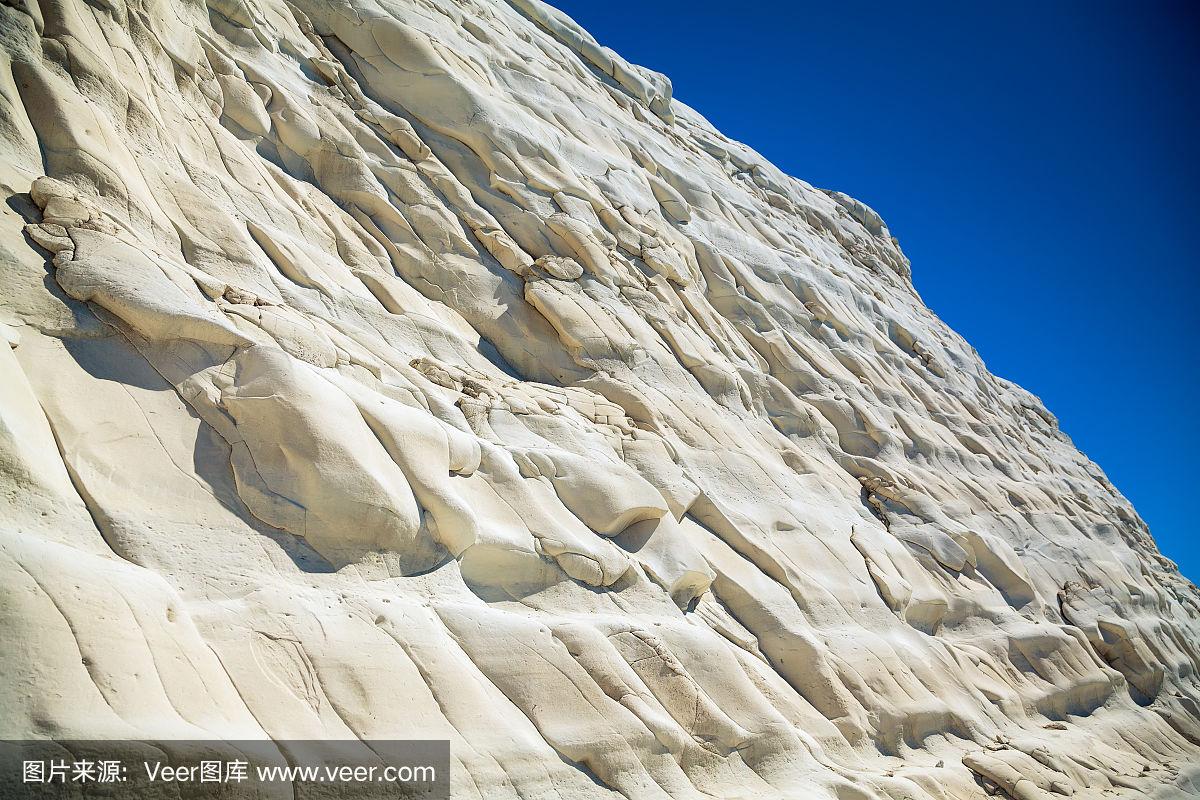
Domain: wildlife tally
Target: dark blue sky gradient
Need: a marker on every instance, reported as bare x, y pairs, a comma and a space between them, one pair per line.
1037, 161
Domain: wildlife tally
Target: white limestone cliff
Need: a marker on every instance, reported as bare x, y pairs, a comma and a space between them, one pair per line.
422, 369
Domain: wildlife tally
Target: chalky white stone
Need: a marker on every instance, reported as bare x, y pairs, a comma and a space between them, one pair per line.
422, 369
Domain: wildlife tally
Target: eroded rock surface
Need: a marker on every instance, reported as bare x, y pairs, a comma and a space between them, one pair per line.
420, 368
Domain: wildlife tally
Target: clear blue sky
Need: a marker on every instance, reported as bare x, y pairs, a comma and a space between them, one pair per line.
1037, 161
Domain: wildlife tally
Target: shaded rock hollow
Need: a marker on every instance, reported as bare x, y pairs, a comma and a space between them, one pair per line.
422, 369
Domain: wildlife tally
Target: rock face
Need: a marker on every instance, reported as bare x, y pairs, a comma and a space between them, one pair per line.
421, 369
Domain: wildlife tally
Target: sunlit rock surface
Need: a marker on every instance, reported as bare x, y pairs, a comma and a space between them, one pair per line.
420, 368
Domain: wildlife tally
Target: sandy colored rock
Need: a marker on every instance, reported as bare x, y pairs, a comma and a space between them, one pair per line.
397, 369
